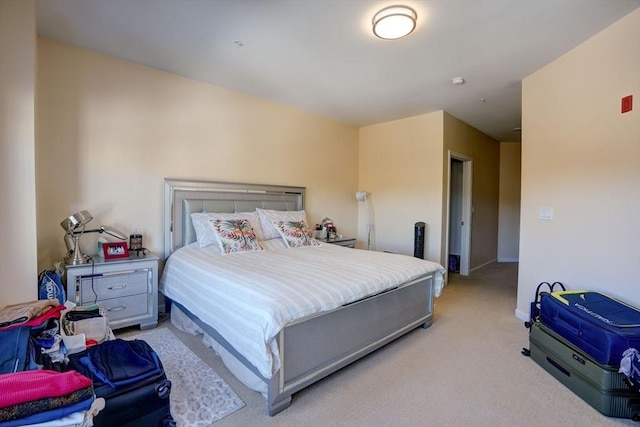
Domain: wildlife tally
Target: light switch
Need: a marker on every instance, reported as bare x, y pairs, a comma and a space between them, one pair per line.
546, 214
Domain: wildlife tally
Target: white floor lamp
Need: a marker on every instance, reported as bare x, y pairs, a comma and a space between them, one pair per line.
363, 196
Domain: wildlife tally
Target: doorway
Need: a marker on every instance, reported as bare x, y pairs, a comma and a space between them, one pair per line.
459, 213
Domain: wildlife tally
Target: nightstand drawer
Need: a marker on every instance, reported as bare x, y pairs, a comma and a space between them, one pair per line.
113, 286
346, 242
125, 307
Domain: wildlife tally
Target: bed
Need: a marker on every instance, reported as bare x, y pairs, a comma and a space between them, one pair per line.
282, 318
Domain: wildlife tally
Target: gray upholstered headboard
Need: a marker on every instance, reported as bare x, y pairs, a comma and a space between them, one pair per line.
184, 197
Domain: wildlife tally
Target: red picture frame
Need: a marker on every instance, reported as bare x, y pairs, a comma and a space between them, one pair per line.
115, 250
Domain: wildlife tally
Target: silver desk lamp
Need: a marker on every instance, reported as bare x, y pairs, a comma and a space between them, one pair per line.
75, 227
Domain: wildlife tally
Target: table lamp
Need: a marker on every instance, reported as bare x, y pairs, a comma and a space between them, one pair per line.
75, 227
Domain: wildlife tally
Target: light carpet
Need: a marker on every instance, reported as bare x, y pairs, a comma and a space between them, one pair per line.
199, 397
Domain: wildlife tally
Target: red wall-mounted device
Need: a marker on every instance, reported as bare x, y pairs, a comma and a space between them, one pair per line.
627, 104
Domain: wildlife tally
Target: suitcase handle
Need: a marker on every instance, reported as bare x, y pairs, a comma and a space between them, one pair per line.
558, 366
534, 309
163, 389
571, 328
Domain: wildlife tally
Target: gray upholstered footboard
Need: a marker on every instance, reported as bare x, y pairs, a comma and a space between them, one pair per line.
315, 347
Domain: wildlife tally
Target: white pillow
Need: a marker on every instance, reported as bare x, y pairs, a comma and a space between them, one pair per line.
268, 217
205, 234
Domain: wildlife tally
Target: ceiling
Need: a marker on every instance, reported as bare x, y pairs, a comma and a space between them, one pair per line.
321, 56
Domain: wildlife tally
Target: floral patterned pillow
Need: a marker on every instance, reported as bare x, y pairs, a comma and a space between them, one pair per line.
205, 236
234, 235
269, 217
295, 234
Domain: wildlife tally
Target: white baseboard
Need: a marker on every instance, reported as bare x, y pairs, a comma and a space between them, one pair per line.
522, 315
482, 265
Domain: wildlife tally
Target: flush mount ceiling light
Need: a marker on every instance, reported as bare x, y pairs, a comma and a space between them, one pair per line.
394, 22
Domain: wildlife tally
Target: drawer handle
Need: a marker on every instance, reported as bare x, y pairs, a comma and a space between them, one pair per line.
117, 287
122, 307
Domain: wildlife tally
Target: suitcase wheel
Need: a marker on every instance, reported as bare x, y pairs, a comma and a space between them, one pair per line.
167, 421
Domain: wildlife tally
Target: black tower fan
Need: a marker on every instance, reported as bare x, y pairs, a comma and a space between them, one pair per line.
418, 240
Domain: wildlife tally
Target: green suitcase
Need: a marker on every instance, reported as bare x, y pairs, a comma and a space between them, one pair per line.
601, 386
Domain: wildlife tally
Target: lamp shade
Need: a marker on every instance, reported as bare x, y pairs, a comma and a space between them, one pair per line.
394, 22
77, 220
112, 232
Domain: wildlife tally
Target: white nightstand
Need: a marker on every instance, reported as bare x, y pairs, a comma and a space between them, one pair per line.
342, 241
127, 288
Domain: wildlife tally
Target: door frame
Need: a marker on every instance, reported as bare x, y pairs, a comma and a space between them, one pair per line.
467, 208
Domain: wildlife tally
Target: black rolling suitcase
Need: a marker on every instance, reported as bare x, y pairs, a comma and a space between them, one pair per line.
130, 377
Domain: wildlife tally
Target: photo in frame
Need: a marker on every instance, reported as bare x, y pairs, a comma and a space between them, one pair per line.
115, 250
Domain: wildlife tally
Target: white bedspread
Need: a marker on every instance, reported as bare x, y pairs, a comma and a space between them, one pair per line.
249, 297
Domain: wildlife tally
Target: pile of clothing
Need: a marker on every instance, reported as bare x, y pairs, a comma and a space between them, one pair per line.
30, 334
61, 365
34, 387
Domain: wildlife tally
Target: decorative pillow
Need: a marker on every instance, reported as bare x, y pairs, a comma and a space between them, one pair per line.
205, 234
295, 234
268, 217
234, 235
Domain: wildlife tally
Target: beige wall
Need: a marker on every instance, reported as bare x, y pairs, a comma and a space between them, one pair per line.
110, 131
18, 266
581, 157
509, 206
463, 139
401, 166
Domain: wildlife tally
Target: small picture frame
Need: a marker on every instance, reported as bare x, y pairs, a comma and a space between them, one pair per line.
115, 250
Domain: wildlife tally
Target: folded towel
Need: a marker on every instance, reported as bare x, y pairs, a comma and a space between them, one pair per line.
32, 407
51, 415
19, 387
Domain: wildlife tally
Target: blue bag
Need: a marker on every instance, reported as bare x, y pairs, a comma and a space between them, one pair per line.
15, 350
601, 326
50, 286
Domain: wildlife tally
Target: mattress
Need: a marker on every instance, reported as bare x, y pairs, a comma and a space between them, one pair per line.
249, 297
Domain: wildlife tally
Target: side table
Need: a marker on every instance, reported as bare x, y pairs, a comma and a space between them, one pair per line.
127, 288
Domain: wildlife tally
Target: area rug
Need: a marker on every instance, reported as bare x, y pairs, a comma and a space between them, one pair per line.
199, 397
